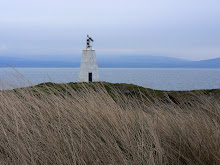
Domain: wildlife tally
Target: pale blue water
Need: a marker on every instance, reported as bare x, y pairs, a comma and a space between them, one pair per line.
162, 79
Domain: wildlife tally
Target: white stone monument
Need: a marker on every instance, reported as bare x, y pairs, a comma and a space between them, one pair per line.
88, 68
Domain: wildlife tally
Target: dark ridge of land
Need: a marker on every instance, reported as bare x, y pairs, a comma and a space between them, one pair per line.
109, 61
130, 90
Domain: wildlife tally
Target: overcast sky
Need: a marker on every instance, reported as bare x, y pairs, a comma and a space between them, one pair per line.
188, 29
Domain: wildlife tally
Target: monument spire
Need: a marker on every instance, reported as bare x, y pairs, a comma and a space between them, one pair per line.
88, 40
88, 68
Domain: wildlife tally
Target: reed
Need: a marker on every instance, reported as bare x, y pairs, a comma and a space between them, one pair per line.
89, 126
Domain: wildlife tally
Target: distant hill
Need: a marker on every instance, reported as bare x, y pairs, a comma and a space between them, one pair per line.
43, 61
155, 62
122, 61
211, 63
142, 62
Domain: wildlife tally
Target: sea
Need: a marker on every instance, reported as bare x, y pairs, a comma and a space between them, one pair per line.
177, 79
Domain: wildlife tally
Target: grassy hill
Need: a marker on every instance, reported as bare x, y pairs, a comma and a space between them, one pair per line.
130, 90
104, 123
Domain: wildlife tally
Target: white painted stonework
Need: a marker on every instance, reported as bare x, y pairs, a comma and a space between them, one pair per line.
88, 65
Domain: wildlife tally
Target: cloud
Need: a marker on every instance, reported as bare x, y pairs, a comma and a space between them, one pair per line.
181, 29
3, 47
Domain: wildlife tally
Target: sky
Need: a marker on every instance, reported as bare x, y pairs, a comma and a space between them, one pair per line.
188, 29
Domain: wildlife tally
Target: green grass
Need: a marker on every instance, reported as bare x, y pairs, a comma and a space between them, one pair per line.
126, 89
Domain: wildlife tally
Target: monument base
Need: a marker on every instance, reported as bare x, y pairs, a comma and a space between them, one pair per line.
88, 68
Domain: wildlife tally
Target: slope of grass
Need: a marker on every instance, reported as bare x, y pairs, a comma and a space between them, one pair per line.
131, 90
108, 124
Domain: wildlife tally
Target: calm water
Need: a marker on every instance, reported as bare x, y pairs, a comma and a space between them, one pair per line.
163, 79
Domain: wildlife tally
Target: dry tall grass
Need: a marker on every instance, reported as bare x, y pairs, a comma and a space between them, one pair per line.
89, 127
